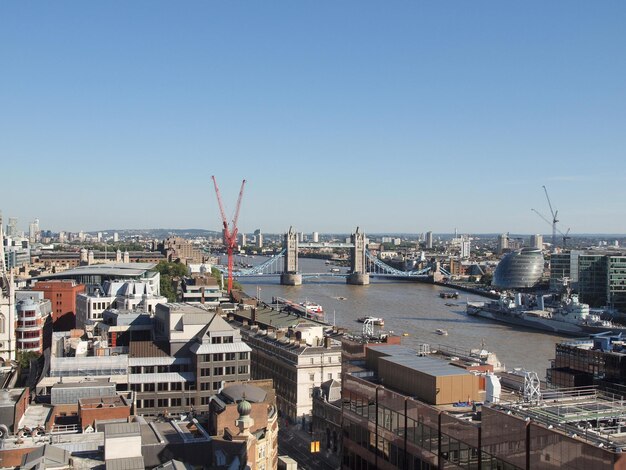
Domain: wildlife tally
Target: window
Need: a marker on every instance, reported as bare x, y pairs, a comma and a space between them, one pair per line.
190, 385
217, 385
230, 370
330, 359
312, 377
228, 339
243, 356
148, 387
148, 370
176, 386
163, 402
204, 400
218, 357
135, 387
175, 402
162, 386
230, 356
148, 403
205, 385
330, 376
162, 369
205, 372
216, 340
312, 361
218, 371
191, 401
243, 370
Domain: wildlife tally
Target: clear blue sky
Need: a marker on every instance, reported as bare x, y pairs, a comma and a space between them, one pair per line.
394, 116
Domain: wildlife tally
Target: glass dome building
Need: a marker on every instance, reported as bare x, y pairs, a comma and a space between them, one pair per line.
519, 269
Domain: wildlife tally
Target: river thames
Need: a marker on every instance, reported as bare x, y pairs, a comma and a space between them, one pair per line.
412, 309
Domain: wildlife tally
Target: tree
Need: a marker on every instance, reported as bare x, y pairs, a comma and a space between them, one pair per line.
23, 358
169, 271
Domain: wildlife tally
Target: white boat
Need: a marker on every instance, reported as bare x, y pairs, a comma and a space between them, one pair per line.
439, 331
375, 320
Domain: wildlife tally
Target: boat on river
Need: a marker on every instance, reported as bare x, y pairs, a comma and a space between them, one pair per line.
569, 317
374, 320
441, 332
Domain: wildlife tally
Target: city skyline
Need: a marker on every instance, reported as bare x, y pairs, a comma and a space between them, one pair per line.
398, 120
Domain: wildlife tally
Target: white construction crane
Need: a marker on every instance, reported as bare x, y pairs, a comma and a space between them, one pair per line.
553, 223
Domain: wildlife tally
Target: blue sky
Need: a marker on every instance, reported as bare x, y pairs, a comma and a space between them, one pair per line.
393, 116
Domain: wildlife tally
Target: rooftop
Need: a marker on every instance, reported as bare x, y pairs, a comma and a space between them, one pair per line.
426, 365
121, 430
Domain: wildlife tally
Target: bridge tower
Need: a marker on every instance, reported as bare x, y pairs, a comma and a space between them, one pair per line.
290, 275
358, 274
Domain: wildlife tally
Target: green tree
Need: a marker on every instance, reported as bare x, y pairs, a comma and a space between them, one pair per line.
23, 358
169, 271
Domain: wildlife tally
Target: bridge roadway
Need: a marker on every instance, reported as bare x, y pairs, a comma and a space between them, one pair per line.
418, 277
324, 245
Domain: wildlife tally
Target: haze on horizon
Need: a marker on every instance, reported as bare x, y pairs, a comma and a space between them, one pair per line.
396, 118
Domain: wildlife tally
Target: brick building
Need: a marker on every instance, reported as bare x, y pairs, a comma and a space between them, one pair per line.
62, 296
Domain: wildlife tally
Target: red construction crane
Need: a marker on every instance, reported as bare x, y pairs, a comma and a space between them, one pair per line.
230, 234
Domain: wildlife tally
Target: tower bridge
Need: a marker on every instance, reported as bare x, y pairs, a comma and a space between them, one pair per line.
363, 264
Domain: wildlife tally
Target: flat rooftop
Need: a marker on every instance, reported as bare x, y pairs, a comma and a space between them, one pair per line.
583, 413
426, 365
119, 270
275, 318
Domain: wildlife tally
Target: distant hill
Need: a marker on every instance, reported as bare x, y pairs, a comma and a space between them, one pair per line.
164, 232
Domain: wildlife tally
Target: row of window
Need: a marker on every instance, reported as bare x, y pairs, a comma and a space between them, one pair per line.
163, 386
221, 357
222, 340
218, 371
160, 369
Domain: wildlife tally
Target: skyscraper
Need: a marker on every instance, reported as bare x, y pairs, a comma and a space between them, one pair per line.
503, 243
12, 227
536, 241
465, 246
429, 240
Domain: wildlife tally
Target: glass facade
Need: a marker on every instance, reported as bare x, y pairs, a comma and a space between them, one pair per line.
519, 269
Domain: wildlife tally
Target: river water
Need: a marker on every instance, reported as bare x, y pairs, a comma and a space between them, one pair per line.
411, 308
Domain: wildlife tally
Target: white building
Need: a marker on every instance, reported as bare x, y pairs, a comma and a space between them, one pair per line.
297, 364
7, 306
465, 246
129, 295
536, 241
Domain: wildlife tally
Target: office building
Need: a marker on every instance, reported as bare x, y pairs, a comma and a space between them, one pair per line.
598, 276
12, 228
390, 419
194, 353
124, 295
62, 296
297, 360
